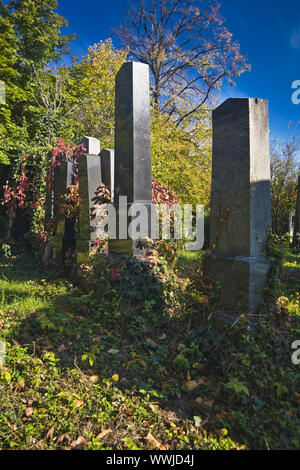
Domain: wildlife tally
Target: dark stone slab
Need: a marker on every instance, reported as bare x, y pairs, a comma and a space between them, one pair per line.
240, 201
242, 280
64, 240
108, 169
89, 176
133, 172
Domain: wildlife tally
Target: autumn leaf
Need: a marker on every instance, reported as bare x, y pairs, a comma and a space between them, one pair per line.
191, 385
29, 411
141, 362
151, 439
103, 433
223, 415
79, 443
49, 434
21, 383
63, 437
79, 404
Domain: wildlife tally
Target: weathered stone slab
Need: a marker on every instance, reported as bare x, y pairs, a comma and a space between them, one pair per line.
64, 239
133, 173
89, 177
108, 169
91, 145
240, 203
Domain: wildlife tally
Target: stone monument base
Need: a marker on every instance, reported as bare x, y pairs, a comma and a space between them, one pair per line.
242, 281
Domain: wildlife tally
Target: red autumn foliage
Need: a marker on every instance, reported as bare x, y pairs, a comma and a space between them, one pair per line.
162, 195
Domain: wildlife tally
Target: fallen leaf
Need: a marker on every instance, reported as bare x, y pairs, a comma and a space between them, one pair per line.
113, 351
49, 434
151, 439
103, 433
79, 403
79, 443
21, 383
63, 437
141, 362
29, 411
153, 407
223, 415
191, 385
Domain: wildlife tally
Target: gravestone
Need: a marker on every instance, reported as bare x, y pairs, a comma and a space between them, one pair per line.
240, 205
64, 239
89, 178
296, 239
133, 173
108, 169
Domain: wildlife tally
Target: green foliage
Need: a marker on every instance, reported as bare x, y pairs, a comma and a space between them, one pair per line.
81, 363
181, 156
284, 174
92, 88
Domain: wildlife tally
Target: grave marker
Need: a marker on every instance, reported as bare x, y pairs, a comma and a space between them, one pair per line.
240, 204
89, 177
133, 173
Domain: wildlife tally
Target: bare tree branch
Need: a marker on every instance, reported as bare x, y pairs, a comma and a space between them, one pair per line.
187, 48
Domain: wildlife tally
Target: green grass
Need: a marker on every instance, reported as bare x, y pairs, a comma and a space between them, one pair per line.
84, 369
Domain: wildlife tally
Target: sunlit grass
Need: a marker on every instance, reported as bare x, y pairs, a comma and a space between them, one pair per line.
188, 257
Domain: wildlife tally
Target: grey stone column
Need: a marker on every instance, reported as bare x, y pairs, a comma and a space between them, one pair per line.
296, 238
108, 169
89, 177
240, 204
64, 238
133, 173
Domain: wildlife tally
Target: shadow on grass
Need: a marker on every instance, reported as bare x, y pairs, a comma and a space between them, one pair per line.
106, 329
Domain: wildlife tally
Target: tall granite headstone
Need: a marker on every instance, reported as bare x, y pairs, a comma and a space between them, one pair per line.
240, 204
108, 169
133, 173
89, 177
64, 239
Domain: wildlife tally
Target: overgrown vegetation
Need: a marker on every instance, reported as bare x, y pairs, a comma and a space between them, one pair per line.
127, 356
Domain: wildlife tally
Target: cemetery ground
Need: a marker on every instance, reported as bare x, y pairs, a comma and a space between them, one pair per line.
90, 365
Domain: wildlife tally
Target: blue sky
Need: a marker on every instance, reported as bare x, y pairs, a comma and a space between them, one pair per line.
267, 30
